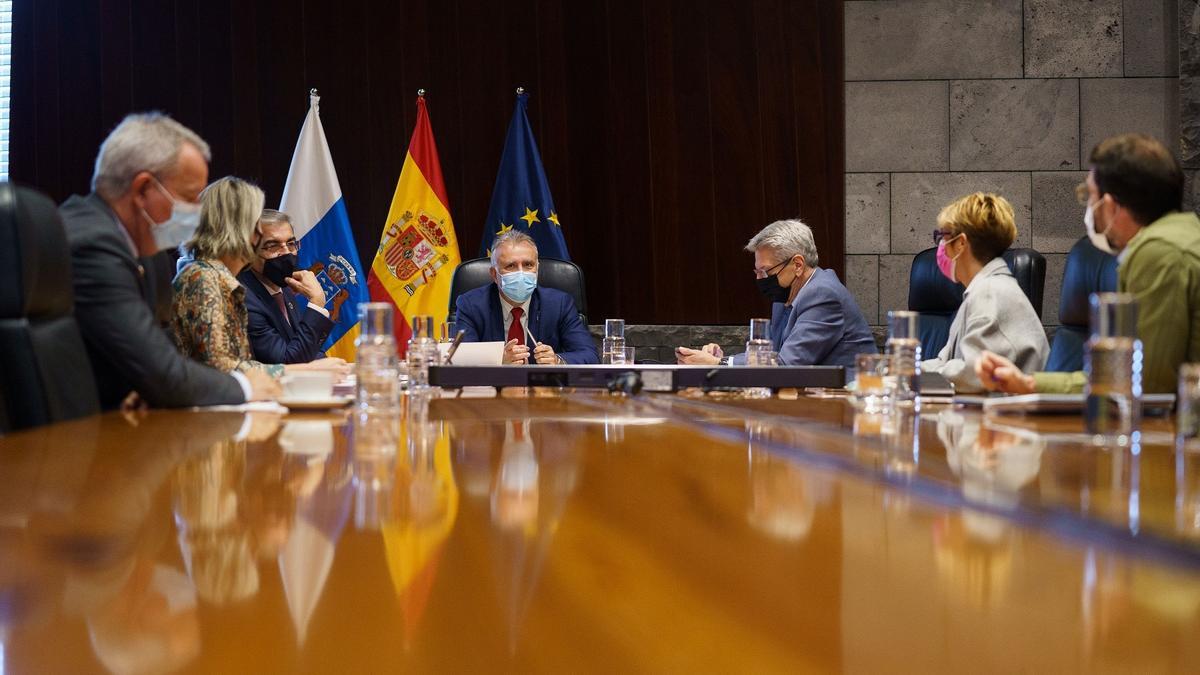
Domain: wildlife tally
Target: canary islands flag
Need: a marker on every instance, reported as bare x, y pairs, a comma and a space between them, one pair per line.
521, 199
418, 251
312, 198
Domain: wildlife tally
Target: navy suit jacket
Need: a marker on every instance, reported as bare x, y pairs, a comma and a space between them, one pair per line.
822, 327
272, 338
552, 319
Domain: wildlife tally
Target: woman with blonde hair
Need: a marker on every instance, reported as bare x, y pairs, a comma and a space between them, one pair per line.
972, 234
208, 317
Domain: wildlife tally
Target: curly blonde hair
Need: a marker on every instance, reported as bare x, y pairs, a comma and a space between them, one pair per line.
986, 219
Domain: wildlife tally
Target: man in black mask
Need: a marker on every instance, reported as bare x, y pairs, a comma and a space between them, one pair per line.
814, 319
279, 330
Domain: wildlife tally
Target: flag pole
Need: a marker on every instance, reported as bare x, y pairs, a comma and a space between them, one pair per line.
420, 93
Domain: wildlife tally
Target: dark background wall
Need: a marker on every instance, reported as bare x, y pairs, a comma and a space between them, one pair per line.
670, 131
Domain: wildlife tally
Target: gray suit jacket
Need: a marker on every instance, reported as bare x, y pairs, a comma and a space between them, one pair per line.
113, 304
822, 327
994, 315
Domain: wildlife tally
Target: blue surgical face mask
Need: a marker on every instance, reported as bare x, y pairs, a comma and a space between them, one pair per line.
179, 226
518, 286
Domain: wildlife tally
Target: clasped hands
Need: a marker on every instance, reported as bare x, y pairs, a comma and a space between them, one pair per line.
516, 352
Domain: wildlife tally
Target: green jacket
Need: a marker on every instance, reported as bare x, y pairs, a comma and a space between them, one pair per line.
1161, 268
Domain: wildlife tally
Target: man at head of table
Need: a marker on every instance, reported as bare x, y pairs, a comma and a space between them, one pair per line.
1133, 198
534, 321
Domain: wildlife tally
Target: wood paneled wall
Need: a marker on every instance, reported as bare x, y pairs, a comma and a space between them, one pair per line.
670, 131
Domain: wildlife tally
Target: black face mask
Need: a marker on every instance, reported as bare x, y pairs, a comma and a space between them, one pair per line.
279, 268
769, 286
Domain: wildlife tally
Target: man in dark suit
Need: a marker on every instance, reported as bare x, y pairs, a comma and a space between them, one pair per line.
536, 322
279, 331
145, 189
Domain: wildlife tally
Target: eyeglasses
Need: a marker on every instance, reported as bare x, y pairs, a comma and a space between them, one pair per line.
292, 246
939, 235
763, 274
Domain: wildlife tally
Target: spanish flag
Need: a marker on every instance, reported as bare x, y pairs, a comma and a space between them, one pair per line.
419, 251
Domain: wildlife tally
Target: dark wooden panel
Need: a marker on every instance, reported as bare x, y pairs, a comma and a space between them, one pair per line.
670, 131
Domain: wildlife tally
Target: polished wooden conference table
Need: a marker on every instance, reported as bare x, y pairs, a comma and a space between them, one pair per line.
559, 531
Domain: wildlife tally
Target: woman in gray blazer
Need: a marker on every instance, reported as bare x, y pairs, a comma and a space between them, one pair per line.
995, 315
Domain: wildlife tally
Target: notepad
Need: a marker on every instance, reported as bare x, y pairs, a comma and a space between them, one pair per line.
475, 353
1152, 404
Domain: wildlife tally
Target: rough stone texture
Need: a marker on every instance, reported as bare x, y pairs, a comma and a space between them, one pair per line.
908, 40
867, 213
862, 279
896, 126
1151, 38
654, 342
1055, 262
1191, 190
1057, 215
918, 197
1189, 82
1073, 38
1014, 125
1117, 106
893, 284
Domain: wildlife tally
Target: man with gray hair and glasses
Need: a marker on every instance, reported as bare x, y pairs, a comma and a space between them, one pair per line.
145, 189
814, 319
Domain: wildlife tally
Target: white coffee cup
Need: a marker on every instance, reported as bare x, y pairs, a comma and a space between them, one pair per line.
308, 385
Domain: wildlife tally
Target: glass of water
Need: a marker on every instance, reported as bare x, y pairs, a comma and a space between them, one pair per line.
870, 384
1112, 361
1187, 407
377, 362
613, 346
904, 352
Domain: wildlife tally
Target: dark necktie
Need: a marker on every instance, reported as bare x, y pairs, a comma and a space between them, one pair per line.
282, 307
514, 330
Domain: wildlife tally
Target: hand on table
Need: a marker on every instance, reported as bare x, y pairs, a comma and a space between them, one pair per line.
997, 373
263, 387
709, 355
544, 354
515, 352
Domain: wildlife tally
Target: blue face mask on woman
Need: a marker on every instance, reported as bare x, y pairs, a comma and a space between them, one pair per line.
518, 286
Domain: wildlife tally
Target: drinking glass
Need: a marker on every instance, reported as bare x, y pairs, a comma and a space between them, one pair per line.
904, 350
611, 348
1187, 406
377, 362
870, 383
1112, 362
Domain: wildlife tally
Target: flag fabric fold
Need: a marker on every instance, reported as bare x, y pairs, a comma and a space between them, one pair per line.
312, 198
521, 198
418, 250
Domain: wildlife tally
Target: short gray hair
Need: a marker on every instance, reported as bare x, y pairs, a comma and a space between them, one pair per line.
511, 238
141, 142
788, 238
273, 217
229, 211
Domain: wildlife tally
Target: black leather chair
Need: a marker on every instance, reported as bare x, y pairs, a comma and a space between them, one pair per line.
1088, 270
937, 298
561, 275
46, 373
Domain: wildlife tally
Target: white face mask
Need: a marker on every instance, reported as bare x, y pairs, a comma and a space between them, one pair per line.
178, 227
1098, 240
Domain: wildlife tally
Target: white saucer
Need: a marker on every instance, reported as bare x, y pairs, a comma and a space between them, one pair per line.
316, 403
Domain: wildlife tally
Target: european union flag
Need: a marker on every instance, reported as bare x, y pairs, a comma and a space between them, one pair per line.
521, 198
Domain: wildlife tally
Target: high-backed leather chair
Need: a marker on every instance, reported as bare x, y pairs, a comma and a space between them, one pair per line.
937, 298
561, 275
1088, 270
46, 373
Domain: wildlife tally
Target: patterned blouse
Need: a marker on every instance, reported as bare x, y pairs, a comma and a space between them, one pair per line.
208, 318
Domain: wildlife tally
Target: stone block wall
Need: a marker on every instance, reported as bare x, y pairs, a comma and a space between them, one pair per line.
947, 97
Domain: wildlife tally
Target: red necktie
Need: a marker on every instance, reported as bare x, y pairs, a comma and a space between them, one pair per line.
282, 307
514, 331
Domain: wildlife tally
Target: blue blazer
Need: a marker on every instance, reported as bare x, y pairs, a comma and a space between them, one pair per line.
822, 327
552, 319
273, 339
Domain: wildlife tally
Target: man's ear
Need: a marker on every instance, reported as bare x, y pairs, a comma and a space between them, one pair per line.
492, 272
139, 187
